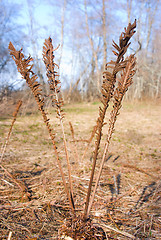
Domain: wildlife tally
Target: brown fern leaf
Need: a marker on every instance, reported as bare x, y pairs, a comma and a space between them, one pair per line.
25, 68
54, 83
109, 79
108, 85
124, 82
52, 74
125, 36
124, 41
48, 57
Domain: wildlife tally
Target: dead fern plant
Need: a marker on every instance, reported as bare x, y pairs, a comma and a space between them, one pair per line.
25, 69
114, 86
108, 86
54, 83
123, 83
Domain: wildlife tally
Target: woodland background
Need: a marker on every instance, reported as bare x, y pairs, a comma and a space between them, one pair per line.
84, 29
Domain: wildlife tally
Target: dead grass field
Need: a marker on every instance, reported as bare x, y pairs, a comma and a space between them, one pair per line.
128, 197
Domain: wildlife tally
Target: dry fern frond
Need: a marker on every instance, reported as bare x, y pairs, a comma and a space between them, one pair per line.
124, 41
54, 83
123, 83
25, 68
52, 74
108, 85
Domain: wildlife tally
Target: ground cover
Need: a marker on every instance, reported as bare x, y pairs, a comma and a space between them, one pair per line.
128, 196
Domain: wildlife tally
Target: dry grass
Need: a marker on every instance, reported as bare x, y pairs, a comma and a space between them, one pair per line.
128, 196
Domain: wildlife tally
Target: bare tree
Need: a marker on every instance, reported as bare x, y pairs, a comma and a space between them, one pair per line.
33, 37
147, 79
129, 8
84, 30
9, 29
104, 27
151, 12
94, 51
63, 8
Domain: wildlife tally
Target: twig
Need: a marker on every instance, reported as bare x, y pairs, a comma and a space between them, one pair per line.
7, 182
140, 170
75, 146
115, 184
11, 127
116, 230
121, 196
113, 221
89, 141
9, 235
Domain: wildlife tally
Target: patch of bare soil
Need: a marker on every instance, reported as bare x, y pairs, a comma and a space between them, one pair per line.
128, 200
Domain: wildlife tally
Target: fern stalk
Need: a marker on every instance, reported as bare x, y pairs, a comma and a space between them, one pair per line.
74, 141
89, 141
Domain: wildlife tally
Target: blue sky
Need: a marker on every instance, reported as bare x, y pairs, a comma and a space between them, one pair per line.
47, 23
44, 16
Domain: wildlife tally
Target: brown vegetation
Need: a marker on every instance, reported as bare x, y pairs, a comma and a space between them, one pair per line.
79, 223
134, 158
